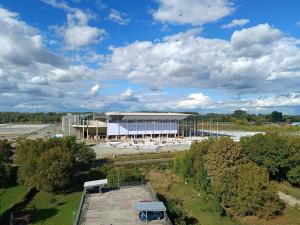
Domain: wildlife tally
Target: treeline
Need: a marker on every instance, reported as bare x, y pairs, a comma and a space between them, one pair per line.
47, 165
241, 117
23, 117
222, 169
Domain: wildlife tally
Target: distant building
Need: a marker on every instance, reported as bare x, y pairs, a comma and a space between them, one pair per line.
119, 125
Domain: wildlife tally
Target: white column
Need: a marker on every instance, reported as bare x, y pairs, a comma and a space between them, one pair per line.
83, 129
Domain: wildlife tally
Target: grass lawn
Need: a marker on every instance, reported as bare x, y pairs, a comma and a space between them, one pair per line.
54, 209
10, 196
198, 208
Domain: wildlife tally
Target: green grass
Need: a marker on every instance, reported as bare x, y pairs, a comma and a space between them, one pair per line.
142, 156
288, 189
54, 209
10, 196
262, 128
191, 203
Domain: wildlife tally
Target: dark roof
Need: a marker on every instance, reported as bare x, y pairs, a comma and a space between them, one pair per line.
150, 206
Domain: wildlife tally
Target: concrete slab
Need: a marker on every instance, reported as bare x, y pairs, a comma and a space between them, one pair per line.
115, 207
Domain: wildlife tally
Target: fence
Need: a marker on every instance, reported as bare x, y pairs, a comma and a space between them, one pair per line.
76, 220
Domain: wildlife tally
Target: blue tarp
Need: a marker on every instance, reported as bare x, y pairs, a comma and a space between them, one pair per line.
150, 206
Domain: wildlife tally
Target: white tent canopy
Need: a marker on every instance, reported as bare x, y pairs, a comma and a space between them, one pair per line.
95, 183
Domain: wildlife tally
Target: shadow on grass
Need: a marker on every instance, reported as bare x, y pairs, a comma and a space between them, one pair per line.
175, 211
34, 215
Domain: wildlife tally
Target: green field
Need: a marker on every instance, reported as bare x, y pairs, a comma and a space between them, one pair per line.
10, 196
54, 209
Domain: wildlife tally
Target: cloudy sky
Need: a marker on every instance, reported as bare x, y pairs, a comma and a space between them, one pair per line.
170, 55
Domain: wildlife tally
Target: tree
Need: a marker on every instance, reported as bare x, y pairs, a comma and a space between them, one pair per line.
270, 150
239, 183
254, 194
240, 114
294, 175
276, 117
50, 165
5, 152
5, 163
54, 170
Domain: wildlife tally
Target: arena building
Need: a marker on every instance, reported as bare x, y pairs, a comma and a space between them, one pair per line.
118, 125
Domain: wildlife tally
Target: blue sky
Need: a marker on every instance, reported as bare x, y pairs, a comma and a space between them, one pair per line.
169, 55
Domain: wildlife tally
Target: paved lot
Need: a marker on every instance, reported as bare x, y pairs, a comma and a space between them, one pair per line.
13, 131
115, 207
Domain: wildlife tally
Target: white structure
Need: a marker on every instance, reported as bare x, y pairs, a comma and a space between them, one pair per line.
129, 125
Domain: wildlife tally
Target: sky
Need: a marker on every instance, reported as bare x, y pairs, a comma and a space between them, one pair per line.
150, 55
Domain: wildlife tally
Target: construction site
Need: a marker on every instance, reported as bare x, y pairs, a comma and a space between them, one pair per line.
116, 133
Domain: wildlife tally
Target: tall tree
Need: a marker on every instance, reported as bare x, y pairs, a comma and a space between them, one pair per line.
276, 116
270, 150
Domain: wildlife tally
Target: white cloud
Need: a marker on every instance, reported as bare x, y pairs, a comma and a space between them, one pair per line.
236, 23
95, 88
195, 12
77, 33
118, 17
128, 95
254, 61
195, 100
32, 106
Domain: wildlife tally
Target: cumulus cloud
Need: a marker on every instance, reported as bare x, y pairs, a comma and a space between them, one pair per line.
118, 17
77, 32
236, 23
30, 71
195, 12
253, 61
21, 44
128, 95
195, 100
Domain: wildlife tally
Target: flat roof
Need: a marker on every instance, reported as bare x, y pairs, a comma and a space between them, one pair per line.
95, 183
147, 115
150, 206
115, 207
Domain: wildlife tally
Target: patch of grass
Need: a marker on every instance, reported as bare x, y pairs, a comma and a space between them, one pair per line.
194, 205
54, 209
286, 188
290, 216
10, 196
262, 128
143, 156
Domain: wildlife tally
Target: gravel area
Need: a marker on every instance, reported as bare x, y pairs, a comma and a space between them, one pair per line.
110, 149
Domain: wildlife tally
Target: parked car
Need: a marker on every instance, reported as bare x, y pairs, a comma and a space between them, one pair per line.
150, 216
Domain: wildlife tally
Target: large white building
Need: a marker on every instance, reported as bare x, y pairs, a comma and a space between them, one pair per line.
129, 125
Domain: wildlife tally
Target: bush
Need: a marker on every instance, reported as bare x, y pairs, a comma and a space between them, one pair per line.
294, 175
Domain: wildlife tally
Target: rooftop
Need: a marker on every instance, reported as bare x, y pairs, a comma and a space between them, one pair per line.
116, 207
147, 115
